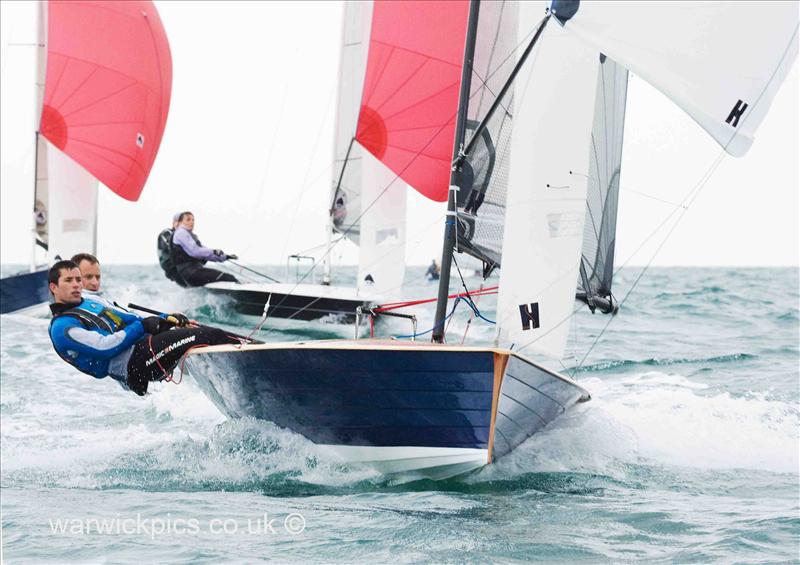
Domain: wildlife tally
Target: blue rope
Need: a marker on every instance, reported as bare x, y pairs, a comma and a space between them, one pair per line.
452, 311
474, 308
469, 303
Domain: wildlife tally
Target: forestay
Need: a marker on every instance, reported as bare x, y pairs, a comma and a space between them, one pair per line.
721, 62
554, 110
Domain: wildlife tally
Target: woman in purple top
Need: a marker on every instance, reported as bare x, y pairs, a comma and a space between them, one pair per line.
189, 256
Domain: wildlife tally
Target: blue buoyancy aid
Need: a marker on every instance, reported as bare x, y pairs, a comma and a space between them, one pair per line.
89, 335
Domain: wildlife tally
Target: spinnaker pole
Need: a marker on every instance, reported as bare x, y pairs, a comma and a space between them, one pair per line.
461, 128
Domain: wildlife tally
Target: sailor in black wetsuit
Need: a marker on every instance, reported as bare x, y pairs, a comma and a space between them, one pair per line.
189, 256
103, 340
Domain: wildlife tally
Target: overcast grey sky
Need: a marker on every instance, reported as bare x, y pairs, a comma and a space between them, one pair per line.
249, 139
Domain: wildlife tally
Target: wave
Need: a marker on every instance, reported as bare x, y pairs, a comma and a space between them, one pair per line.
656, 362
661, 419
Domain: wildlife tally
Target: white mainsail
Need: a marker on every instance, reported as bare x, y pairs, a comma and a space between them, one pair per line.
72, 219
65, 194
555, 102
721, 62
368, 201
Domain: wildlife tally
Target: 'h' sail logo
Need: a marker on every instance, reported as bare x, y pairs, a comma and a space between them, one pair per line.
736, 113
529, 315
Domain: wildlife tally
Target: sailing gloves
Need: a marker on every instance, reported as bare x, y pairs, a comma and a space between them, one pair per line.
155, 325
178, 319
225, 257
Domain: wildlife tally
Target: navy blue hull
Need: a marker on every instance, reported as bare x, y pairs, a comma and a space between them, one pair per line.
22, 291
357, 397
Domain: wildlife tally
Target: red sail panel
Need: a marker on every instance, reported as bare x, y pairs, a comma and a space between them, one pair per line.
411, 87
107, 88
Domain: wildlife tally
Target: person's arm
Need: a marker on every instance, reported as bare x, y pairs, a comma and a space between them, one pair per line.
94, 343
183, 238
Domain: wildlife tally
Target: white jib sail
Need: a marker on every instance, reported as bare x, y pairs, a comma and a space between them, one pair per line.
721, 62
382, 259
555, 101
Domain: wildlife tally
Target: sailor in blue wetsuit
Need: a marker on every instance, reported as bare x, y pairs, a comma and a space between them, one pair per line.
103, 340
189, 256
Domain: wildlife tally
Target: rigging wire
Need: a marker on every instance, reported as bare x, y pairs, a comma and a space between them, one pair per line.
344, 233
308, 168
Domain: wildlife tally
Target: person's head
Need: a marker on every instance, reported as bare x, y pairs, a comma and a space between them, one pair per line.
186, 220
90, 270
64, 280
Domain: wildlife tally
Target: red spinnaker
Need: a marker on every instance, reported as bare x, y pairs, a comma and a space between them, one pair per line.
411, 87
107, 89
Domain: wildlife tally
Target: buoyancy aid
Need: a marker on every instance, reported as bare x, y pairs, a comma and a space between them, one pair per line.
165, 254
91, 356
180, 258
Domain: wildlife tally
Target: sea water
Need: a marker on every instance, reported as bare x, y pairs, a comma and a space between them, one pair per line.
687, 452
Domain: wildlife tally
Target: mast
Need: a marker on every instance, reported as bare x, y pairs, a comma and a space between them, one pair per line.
461, 127
326, 262
41, 67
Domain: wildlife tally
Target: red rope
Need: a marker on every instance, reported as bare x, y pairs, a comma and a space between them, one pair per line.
397, 305
167, 376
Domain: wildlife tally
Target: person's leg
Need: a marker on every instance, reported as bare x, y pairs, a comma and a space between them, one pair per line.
200, 276
155, 357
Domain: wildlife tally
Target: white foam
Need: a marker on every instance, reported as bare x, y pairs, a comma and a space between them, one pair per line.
664, 419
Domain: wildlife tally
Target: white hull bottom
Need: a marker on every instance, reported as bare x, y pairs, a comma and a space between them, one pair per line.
435, 463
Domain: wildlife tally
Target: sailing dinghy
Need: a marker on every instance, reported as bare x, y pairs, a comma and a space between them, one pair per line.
440, 409
101, 99
366, 205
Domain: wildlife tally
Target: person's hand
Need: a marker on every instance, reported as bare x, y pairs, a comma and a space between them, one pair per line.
154, 325
178, 319
218, 252
232, 256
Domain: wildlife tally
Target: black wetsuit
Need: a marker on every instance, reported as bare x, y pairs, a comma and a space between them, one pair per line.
191, 270
155, 357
